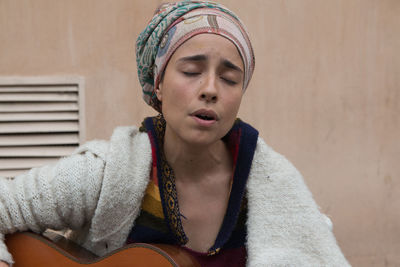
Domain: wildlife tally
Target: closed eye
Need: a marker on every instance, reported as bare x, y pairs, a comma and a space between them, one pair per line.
190, 73
228, 81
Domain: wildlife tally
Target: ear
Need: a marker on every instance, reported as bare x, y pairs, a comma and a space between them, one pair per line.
158, 91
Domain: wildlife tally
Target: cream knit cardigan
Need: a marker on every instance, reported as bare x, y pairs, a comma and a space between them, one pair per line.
97, 192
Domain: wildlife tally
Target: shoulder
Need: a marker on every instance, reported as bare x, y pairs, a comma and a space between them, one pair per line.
121, 136
266, 162
265, 157
273, 175
96, 147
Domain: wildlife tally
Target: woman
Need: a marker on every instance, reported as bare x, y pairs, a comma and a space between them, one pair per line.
194, 176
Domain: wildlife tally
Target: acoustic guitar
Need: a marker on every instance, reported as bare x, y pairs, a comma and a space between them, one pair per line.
33, 250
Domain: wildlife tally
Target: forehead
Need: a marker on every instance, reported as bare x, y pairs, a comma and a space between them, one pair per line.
212, 45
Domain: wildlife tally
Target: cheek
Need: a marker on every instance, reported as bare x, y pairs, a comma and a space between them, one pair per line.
177, 95
233, 102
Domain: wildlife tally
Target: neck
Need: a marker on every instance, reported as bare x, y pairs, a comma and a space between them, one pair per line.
194, 162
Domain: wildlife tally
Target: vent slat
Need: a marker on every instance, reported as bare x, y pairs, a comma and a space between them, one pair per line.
39, 116
38, 139
39, 121
34, 151
46, 107
38, 97
38, 127
38, 88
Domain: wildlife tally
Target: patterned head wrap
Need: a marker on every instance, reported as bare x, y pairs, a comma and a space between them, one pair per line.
175, 23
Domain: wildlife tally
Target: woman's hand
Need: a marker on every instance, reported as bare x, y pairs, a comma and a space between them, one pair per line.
4, 264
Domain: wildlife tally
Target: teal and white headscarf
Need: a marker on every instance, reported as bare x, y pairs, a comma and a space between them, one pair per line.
175, 23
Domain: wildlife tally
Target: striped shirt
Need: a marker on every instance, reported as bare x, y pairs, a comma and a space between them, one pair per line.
160, 220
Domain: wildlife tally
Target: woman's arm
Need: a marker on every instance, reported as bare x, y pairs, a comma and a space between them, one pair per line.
59, 196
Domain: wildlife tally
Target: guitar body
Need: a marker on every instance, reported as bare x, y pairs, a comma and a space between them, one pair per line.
33, 250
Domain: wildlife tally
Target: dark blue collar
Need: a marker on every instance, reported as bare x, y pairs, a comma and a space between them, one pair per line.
241, 141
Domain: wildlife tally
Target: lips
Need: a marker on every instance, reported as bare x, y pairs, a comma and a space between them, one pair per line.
205, 114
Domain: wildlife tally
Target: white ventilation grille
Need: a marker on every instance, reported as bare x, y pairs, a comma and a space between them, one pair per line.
41, 120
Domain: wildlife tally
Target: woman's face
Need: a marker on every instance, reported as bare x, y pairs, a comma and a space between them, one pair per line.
202, 89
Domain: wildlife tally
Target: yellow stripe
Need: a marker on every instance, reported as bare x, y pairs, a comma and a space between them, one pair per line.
152, 190
152, 206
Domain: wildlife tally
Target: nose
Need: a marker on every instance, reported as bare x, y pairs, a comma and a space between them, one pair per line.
209, 91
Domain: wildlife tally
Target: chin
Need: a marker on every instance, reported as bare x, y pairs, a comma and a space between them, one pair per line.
203, 138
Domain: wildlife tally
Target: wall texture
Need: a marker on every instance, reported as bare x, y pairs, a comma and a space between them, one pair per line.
325, 93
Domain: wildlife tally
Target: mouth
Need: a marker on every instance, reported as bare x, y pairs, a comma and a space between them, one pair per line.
205, 114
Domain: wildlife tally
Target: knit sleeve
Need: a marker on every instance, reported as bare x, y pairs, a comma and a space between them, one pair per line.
59, 196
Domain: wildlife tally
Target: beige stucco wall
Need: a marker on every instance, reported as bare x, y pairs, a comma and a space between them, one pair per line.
325, 92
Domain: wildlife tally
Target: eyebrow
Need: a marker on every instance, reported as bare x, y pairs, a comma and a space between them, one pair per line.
194, 58
225, 62
230, 65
